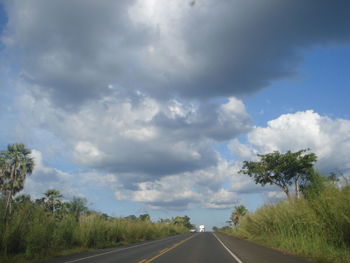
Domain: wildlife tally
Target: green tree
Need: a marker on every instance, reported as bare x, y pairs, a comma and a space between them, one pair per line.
77, 207
52, 200
145, 217
183, 220
317, 184
237, 214
131, 218
15, 164
283, 170
22, 199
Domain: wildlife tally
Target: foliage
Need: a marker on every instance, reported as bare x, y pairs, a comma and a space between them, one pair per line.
317, 228
145, 217
15, 165
182, 221
237, 214
38, 229
317, 184
52, 200
283, 170
77, 207
34, 230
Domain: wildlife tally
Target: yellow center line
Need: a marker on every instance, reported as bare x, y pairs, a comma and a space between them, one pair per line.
162, 252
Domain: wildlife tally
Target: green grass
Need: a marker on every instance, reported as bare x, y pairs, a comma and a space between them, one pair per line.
32, 233
317, 229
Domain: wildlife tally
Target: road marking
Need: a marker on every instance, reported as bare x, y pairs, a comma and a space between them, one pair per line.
228, 250
118, 249
142, 261
162, 252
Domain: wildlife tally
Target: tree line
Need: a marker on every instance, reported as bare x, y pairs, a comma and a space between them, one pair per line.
16, 164
49, 225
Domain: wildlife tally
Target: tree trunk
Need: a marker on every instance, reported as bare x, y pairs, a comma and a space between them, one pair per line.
9, 194
8, 200
297, 188
286, 191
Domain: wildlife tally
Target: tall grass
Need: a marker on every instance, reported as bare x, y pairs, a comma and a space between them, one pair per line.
32, 233
318, 228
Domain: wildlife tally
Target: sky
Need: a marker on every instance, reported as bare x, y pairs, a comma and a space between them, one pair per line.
151, 106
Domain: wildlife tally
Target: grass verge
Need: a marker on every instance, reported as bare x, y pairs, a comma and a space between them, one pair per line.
33, 234
317, 229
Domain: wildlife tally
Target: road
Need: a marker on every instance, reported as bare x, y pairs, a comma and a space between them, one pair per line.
196, 247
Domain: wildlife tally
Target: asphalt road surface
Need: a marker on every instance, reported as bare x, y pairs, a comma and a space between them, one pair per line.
192, 247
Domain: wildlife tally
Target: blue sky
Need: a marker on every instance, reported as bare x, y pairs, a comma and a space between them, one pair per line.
151, 106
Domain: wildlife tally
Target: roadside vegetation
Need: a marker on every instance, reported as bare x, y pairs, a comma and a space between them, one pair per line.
31, 230
314, 221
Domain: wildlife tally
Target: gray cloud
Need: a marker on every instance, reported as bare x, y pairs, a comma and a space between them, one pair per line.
102, 76
72, 50
244, 45
139, 136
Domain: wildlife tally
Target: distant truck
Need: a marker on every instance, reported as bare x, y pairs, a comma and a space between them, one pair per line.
201, 228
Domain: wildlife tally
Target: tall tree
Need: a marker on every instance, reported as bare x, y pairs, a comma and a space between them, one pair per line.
283, 170
238, 213
16, 163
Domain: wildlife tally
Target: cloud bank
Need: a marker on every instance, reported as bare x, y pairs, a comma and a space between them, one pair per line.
73, 51
141, 92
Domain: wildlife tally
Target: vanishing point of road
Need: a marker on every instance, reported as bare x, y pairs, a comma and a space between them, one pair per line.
191, 247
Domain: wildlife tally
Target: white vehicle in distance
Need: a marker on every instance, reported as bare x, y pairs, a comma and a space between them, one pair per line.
193, 230
201, 228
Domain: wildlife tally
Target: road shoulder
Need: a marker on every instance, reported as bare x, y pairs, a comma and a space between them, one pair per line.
249, 252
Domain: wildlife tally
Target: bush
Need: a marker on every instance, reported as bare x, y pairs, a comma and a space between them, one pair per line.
317, 228
32, 233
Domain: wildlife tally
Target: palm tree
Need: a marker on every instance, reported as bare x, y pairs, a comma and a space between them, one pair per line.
2, 172
53, 200
238, 213
16, 164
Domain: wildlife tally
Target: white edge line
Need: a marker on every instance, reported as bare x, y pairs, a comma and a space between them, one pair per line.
228, 250
118, 249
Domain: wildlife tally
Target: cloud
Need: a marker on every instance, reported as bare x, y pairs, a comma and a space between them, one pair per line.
45, 177
79, 51
138, 134
135, 90
328, 138
242, 151
202, 188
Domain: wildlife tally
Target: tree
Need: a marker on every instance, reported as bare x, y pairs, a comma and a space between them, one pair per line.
183, 220
317, 184
15, 165
237, 214
52, 200
23, 199
131, 218
77, 207
283, 170
145, 217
